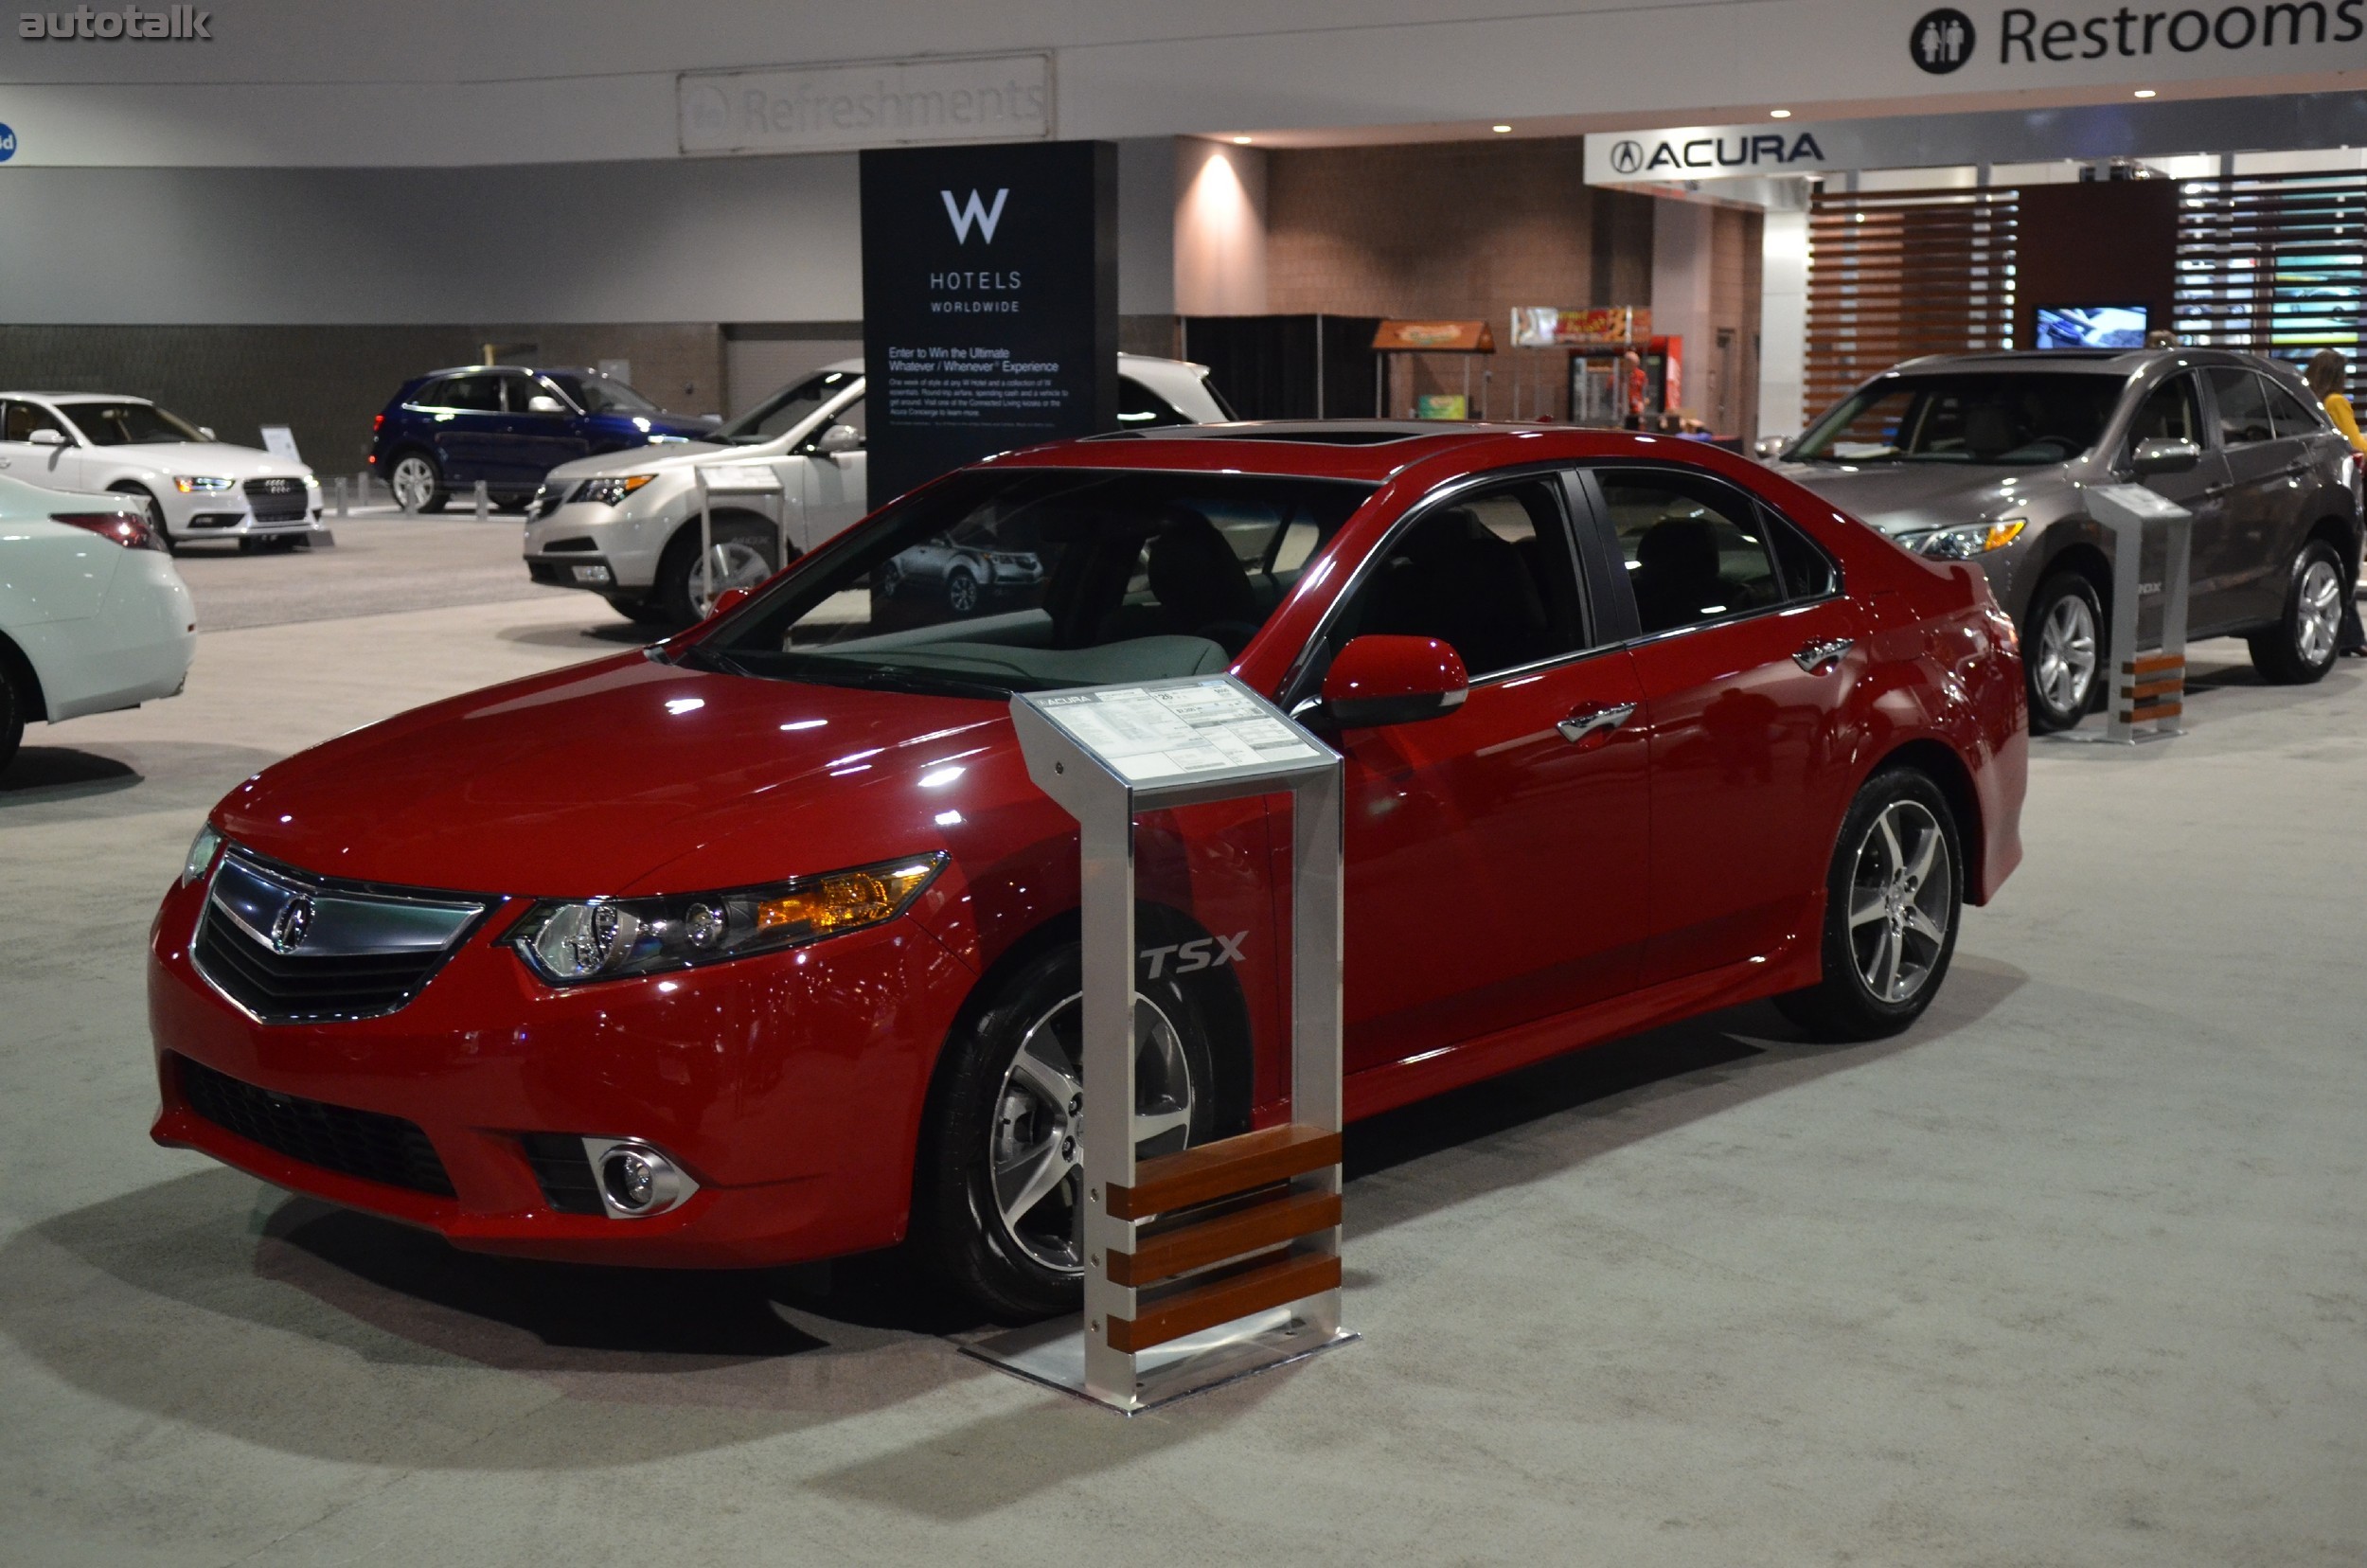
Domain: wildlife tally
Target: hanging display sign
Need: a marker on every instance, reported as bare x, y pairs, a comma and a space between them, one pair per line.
1550, 327
989, 293
1435, 337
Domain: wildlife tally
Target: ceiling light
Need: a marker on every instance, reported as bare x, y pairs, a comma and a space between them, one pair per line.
1240, 141
1500, 130
2144, 91
1779, 114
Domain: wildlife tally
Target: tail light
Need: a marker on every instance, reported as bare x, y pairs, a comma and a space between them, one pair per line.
378, 422
129, 530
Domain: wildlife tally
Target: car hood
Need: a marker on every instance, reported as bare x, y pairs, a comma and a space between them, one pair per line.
219, 459
646, 460
629, 776
1906, 498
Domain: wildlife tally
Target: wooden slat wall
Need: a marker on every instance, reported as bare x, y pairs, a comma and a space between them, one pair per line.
2275, 265
1896, 274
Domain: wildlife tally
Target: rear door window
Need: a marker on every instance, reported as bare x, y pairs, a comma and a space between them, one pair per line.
1695, 549
2243, 407
476, 394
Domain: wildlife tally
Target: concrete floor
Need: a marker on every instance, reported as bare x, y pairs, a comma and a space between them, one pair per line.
2076, 1272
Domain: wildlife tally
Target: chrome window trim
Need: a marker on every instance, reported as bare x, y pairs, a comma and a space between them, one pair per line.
1438, 495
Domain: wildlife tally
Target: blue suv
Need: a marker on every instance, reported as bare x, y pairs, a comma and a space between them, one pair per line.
509, 426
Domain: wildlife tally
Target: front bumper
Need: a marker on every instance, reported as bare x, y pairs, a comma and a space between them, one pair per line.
572, 571
788, 1086
628, 545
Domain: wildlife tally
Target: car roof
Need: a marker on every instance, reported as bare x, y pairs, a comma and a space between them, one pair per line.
79, 397
1368, 450
2100, 362
507, 371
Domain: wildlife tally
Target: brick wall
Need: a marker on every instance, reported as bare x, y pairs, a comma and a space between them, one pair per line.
1455, 229
325, 383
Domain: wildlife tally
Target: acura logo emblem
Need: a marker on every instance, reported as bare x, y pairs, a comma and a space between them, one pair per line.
289, 926
1627, 157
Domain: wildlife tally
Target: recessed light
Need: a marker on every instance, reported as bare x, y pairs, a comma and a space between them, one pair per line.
1501, 130
1779, 114
1240, 141
2144, 91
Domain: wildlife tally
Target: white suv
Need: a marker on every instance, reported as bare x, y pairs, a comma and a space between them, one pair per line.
626, 525
190, 485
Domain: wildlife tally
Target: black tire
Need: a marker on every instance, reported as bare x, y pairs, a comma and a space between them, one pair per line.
438, 492
888, 581
2302, 645
14, 704
962, 592
2060, 693
671, 598
1846, 1005
960, 1233
155, 513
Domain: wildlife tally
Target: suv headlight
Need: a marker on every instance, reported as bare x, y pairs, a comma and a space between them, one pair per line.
1967, 540
608, 492
570, 941
202, 484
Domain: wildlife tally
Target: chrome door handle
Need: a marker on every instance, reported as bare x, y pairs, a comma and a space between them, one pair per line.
1599, 717
1818, 657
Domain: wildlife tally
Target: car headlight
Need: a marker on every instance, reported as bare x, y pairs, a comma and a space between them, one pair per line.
312, 482
202, 485
570, 941
608, 492
1967, 540
201, 856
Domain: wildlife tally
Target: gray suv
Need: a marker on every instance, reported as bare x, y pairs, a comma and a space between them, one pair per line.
1985, 456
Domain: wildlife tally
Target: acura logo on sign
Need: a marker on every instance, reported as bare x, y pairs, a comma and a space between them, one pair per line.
1942, 41
1627, 157
974, 211
289, 926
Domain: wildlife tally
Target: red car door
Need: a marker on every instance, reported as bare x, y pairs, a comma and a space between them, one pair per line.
1747, 654
1495, 854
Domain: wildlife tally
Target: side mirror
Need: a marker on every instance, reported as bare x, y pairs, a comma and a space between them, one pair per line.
543, 403
730, 599
2162, 456
206, 431
1381, 680
47, 438
838, 438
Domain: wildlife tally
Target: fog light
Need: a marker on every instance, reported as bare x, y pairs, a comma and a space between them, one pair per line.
636, 1181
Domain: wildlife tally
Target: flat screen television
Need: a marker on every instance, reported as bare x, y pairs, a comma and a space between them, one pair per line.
2091, 327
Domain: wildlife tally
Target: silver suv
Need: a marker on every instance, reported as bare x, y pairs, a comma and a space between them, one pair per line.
1985, 457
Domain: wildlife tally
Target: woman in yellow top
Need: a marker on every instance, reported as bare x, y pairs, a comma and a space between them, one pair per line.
2327, 370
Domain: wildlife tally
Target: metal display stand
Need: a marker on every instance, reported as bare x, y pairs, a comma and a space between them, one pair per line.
715, 479
1221, 1260
2149, 689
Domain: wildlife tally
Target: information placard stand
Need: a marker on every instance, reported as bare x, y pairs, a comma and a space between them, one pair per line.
715, 479
1223, 1259
2147, 688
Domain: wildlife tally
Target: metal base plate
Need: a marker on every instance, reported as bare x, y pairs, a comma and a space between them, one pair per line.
1053, 1354
2106, 737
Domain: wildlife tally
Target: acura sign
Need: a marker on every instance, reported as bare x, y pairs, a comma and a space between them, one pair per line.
1703, 152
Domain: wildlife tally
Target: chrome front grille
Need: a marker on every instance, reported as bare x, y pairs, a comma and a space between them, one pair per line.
291, 947
277, 500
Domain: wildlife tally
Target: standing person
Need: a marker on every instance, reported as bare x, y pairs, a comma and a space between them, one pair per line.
1638, 388
2327, 370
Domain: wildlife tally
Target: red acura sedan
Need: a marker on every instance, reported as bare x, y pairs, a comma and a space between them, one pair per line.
757, 946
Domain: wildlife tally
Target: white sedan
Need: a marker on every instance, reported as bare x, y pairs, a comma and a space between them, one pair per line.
191, 485
93, 615
790, 470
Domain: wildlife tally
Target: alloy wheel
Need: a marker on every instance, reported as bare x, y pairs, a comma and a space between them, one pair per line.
961, 591
2067, 655
1034, 1148
2320, 612
730, 563
1899, 902
413, 483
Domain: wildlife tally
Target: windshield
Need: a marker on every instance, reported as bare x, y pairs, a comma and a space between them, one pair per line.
786, 409
599, 394
2010, 419
109, 425
1035, 580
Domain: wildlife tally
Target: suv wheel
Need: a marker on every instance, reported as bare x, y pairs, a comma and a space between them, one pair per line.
1892, 901
2063, 653
742, 558
2300, 648
14, 703
998, 1197
418, 484
961, 591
